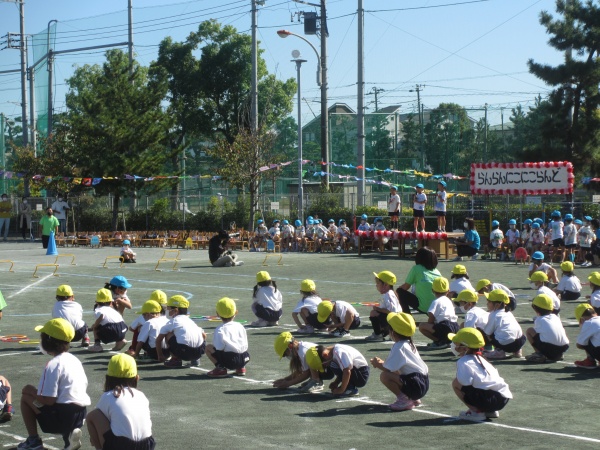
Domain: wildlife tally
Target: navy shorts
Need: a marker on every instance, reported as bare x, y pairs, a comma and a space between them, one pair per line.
558, 242
185, 352
313, 321
394, 213
358, 376
569, 295
418, 213
267, 314
61, 418
112, 332
512, 347
550, 351
415, 385
79, 334
112, 442
570, 245
231, 360
4, 390
355, 323
484, 400
592, 351
441, 330
440, 213
151, 351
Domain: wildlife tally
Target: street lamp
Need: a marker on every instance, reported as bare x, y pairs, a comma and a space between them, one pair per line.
298, 61
285, 33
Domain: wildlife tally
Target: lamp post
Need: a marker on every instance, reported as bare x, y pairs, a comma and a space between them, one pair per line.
298, 61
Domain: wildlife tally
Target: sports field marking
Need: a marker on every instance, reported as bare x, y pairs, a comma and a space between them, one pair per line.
18, 353
21, 438
30, 286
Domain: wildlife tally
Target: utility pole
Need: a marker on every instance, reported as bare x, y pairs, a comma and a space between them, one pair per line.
421, 112
130, 34
485, 151
360, 106
375, 91
31, 75
324, 109
254, 89
23, 72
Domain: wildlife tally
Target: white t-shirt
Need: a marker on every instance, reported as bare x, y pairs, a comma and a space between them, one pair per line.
405, 359
138, 322
274, 231
541, 268
585, 236
595, 298
109, 315
378, 226
442, 308
503, 326
551, 330
512, 236
476, 317
231, 337
150, 329
64, 378
460, 284
571, 284
557, 227
287, 231
69, 310
303, 347
440, 201
299, 232
341, 308
128, 414
269, 298
477, 372
60, 209
497, 237
343, 231
389, 301
550, 293
420, 198
394, 203
570, 234
347, 357
311, 303
185, 331
590, 332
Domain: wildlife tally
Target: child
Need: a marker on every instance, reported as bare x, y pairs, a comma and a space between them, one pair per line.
287, 235
109, 325
295, 351
185, 339
502, 329
569, 286
403, 372
275, 232
547, 337
362, 226
380, 239
127, 255
536, 238
5, 400
345, 363
513, 238
67, 308
2, 304
135, 328
154, 321
267, 301
558, 241
538, 264
299, 236
343, 236
394, 207
331, 227
496, 239
475, 317
260, 236
540, 280
342, 316
460, 281
585, 237
441, 316
594, 280
420, 199
118, 287
440, 206
59, 402
229, 349
570, 233
484, 286
526, 234
477, 384
306, 308
589, 336
384, 283
161, 298
320, 235
122, 416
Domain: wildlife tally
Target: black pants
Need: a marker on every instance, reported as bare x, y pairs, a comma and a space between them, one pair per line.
45, 240
465, 250
408, 300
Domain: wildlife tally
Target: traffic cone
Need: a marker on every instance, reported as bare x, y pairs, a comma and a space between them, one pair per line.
52, 251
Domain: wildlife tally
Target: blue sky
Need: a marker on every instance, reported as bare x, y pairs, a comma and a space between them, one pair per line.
471, 53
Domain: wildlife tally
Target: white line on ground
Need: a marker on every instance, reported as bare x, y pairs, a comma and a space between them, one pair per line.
21, 438
41, 280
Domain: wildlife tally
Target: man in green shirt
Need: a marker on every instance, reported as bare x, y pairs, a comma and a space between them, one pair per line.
48, 224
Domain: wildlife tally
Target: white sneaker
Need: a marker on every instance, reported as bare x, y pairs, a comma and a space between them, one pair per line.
239, 263
472, 416
96, 348
312, 386
458, 258
374, 337
474, 257
259, 323
402, 403
74, 440
495, 355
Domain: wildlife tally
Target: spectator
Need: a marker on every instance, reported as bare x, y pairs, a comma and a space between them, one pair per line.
49, 224
61, 209
5, 210
25, 219
468, 245
218, 254
420, 277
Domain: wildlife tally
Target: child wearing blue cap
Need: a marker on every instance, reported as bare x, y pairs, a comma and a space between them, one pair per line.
343, 236
299, 236
260, 236
570, 238
394, 207
513, 238
496, 239
440, 206
420, 199
118, 286
127, 254
287, 235
558, 234
380, 239
585, 237
538, 265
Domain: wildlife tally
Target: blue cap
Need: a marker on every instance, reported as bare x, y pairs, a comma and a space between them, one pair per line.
442, 182
120, 281
309, 218
495, 223
394, 188
285, 222
341, 221
311, 222
578, 222
126, 242
420, 186
378, 219
556, 213
527, 221
588, 218
512, 222
364, 217
331, 221
298, 223
568, 216
537, 255
259, 221
538, 221
276, 221
535, 225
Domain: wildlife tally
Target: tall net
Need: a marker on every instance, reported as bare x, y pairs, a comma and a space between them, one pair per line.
42, 42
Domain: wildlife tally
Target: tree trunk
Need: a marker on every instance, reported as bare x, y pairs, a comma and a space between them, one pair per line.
115, 212
253, 203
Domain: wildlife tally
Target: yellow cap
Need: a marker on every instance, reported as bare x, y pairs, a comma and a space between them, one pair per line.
308, 286
104, 296
122, 366
468, 296
538, 276
459, 269
470, 337
498, 296
324, 309
262, 276
178, 301
282, 342
159, 296
543, 301
314, 360
386, 276
64, 290
58, 329
226, 308
581, 308
567, 266
151, 306
441, 285
482, 283
594, 278
402, 323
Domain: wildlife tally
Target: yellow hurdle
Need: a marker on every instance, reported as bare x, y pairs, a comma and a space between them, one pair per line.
112, 257
163, 259
279, 263
66, 255
8, 261
46, 265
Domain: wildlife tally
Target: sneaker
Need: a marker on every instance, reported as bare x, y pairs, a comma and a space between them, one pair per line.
7, 413
273, 324
374, 337
239, 263
307, 329
119, 345
73, 440
306, 383
536, 357
438, 345
259, 323
240, 372
458, 258
349, 393
195, 363
340, 332
217, 372
417, 402
518, 354
173, 362
587, 363
492, 414
495, 354
402, 403
96, 348
474, 257
85, 342
32, 443
311, 386
471, 415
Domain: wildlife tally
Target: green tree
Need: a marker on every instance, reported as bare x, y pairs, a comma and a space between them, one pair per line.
116, 125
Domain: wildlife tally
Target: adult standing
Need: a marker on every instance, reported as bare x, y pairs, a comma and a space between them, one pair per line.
5, 210
394, 207
61, 209
218, 254
420, 278
469, 244
25, 218
48, 224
